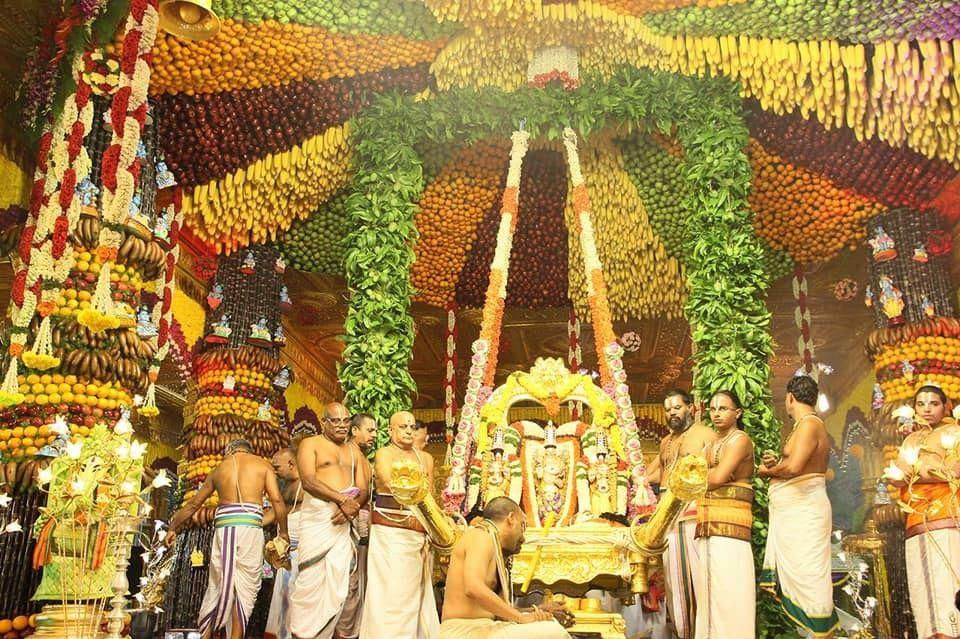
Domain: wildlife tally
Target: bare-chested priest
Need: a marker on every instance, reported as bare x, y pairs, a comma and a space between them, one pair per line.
681, 561
796, 564
399, 599
334, 476
236, 556
479, 596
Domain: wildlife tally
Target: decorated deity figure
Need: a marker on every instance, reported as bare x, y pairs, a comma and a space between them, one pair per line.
868, 296
550, 470
263, 412
145, 326
221, 328
884, 248
260, 332
920, 254
165, 178
161, 230
229, 382
278, 336
282, 379
249, 264
280, 265
285, 302
927, 307
88, 193
601, 479
908, 370
878, 397
496, 475
215, 297
891, 301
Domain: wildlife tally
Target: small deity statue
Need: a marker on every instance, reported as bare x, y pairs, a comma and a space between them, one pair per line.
550, 470
496, 480
878, 397
165, 178
285, 302
145, 326
280, 265
908, 370
599, 474
891, 301
920, 254
868, 296
161, 229
278, 337
263, 412
249, 264
260, 332
215, 296
141, 150
88, 193
927, 307
282, 379
221, 328
229, 382
884, 248
135, 214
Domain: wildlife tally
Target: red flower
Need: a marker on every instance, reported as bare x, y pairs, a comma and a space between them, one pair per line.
26, 241
18, 287
60, 229
67, 187
108, 171
118, 109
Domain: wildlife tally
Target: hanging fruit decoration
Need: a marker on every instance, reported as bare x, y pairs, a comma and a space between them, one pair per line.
239, 376
452, 209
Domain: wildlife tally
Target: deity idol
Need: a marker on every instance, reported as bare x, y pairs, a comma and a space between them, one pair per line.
550, 470
884, 248
891, 301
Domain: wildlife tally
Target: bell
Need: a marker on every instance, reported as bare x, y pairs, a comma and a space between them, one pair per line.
189, 19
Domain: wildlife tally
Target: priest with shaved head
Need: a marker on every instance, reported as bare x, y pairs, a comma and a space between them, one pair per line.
399, 600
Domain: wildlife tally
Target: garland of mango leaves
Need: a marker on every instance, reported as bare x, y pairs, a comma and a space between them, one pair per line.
726, 277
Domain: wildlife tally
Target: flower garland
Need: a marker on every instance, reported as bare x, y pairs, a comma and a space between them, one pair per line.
483, 364
450, 376
574, 357
609, 351
120, 170
45, 256
161, 314
802, 318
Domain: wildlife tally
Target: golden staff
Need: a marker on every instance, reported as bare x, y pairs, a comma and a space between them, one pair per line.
535, 560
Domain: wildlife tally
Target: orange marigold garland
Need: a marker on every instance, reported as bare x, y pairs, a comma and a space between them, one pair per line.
121, 166
483, 365
609, 351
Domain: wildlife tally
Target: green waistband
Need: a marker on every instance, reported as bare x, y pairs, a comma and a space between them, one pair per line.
248, 520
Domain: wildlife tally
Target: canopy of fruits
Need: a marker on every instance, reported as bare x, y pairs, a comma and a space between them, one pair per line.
853, 108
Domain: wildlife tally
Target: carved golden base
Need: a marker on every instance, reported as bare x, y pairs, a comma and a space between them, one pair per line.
609, 625
71, 621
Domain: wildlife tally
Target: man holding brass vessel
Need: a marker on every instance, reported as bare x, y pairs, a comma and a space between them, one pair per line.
796, 564
399, 600
680, 561
479, 594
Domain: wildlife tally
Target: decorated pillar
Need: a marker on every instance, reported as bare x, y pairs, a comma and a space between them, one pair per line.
239, 383
916, 342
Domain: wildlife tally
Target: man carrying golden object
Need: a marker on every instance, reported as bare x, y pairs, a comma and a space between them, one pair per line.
680, 561
724, 527
399, 601
927, 472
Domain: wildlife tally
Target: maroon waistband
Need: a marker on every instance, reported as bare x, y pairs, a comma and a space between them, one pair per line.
930, 526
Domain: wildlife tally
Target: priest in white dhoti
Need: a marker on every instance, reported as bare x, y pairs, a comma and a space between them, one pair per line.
236, 553
278, 619
797, 563
399, 599
333, 474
